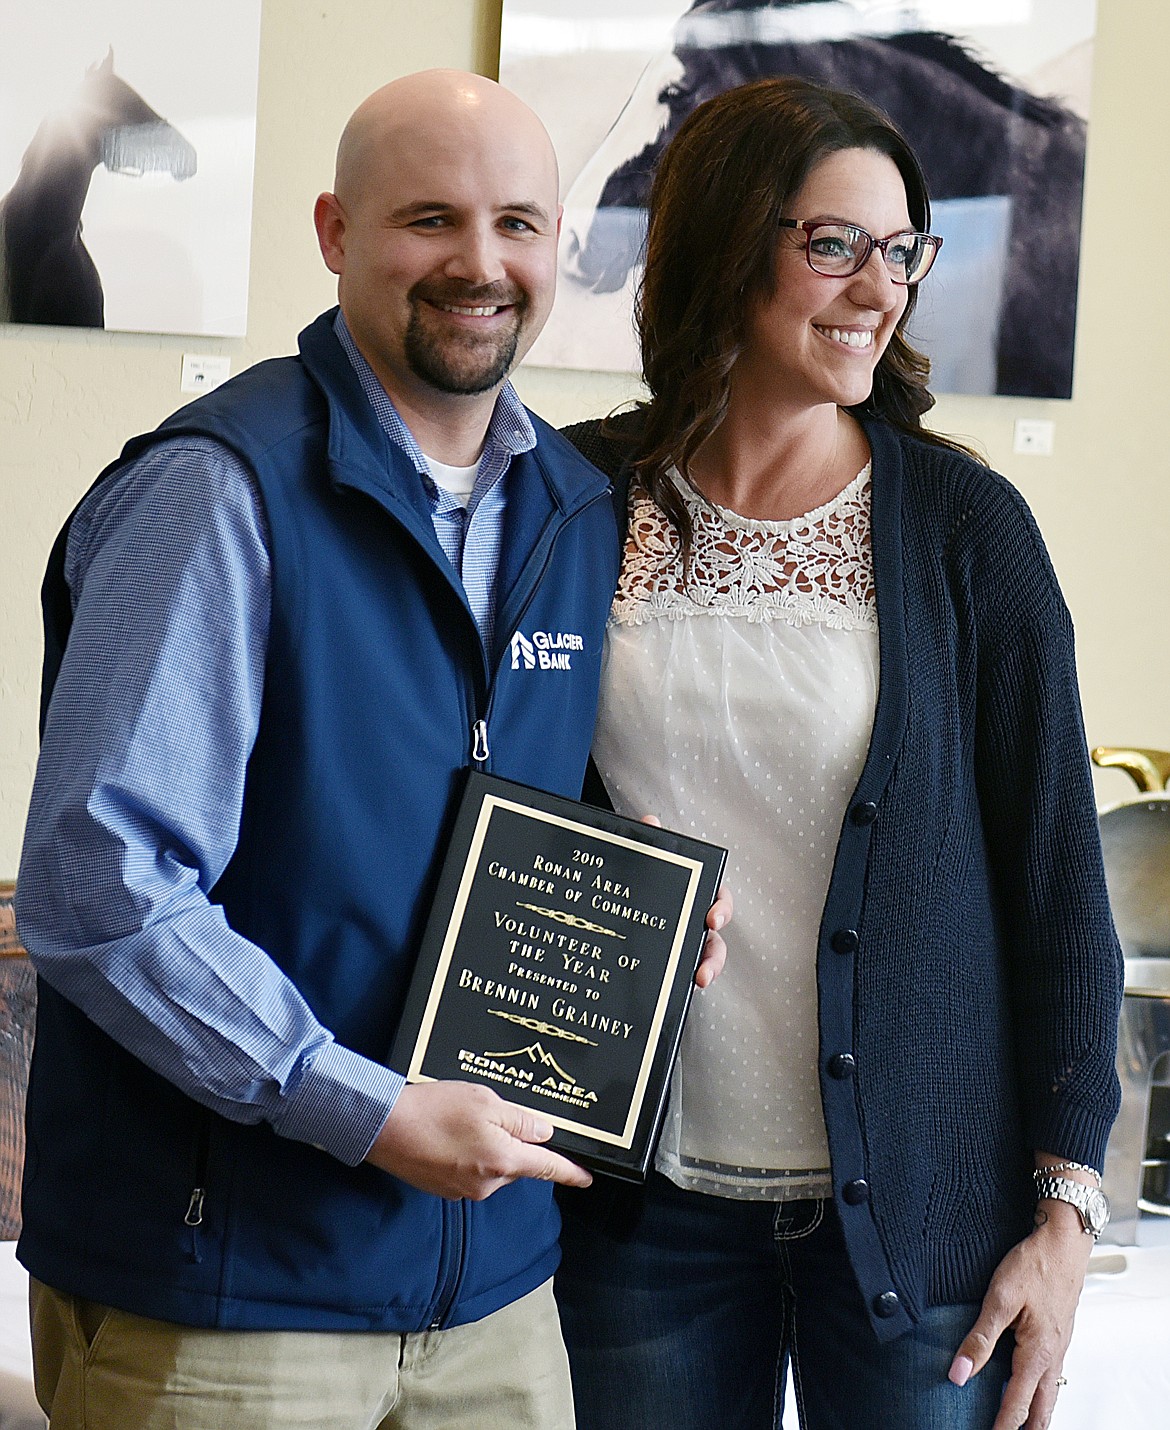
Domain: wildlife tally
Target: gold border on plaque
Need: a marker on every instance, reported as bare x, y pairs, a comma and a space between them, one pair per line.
490, 804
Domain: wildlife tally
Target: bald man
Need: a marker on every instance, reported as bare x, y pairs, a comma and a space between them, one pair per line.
279, 630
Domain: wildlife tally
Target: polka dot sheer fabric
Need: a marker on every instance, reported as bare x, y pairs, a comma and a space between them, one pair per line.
737, 703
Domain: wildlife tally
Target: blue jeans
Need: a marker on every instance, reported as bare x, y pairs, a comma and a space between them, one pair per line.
685, 1318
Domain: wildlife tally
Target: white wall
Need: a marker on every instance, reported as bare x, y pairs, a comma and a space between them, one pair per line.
69, 399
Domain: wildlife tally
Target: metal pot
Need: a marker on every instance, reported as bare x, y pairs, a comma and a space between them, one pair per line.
1135, 842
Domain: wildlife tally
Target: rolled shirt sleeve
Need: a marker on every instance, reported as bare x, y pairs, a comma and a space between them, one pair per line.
136, 806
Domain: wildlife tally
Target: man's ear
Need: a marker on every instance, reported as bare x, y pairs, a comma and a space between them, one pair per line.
329, 220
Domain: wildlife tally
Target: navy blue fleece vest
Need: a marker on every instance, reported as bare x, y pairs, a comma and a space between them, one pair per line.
375, 677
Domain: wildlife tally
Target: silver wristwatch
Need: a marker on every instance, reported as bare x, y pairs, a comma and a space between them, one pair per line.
1091, 1202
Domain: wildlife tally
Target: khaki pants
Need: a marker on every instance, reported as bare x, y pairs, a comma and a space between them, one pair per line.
102, 1369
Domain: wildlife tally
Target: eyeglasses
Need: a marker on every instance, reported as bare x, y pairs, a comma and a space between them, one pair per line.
838, 250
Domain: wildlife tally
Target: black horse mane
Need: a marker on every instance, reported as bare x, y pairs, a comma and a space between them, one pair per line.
941, 48
950, 52
724, 7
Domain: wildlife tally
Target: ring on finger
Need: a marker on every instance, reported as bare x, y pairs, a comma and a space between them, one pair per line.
1060, 1380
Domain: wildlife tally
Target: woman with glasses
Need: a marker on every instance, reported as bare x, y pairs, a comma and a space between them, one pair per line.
838, 648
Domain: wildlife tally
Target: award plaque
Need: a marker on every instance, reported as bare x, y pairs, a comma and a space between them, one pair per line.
558, 964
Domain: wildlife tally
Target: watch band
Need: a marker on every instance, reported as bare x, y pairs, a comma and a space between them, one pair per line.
1090, 1202
1068, 1167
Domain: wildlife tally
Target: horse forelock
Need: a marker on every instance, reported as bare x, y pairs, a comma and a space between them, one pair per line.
108, 100
132, 138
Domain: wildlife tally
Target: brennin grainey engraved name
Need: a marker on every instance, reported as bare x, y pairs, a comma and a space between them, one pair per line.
559, 1008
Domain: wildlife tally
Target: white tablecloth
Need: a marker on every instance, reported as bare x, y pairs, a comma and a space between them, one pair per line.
1118, 1366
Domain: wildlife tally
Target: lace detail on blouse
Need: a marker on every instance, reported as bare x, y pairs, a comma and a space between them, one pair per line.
817, 567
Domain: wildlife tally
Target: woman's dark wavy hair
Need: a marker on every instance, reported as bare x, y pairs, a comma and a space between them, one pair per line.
720, 189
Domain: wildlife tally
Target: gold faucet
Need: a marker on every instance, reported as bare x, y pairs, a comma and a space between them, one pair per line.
1149, 769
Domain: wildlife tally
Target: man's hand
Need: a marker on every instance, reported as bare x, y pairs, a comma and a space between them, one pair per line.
1034, 1291
719, 915
455, 1139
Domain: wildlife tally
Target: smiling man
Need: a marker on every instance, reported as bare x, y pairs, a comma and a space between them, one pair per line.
278, 632
443, 233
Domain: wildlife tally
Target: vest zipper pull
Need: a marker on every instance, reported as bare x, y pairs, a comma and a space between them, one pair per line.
194, 1215
479, 744
194, 1220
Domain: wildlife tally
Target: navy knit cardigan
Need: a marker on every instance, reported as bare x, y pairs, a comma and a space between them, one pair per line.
969, 976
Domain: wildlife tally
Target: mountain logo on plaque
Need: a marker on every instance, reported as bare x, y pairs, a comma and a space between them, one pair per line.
557, 966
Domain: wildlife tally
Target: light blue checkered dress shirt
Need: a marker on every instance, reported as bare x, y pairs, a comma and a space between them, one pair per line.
138, 792
470, 536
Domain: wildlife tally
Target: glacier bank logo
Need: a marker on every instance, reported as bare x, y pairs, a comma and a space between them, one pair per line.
523, 652
545, 650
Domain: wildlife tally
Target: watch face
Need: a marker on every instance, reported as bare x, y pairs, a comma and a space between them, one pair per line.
1096, 1211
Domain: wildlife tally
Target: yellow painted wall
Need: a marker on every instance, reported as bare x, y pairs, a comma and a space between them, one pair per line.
69, 399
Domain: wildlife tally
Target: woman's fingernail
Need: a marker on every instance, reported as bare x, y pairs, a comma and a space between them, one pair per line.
960, 1371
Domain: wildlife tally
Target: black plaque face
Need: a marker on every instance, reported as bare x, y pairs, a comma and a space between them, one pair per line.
557, 966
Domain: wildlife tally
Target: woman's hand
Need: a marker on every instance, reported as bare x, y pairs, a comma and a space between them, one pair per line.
719, 915
1034, 1292
715, 950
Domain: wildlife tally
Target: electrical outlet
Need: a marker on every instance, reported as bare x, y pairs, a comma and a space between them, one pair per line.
1034, 437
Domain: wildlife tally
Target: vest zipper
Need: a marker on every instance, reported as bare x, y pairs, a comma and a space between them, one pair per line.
479, 744
194, 1214
480, 754
454, 1241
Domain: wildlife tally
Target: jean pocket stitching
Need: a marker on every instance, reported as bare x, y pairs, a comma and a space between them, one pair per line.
815, 1220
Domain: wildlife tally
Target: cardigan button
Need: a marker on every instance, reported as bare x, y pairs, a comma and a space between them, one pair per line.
845, 941
864, 813
842, 1065
886, 1305
856, 1192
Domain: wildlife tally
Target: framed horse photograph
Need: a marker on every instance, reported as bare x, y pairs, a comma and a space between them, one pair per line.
127, 140
993, 95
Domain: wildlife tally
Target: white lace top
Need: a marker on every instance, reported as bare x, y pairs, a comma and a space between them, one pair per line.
737, 705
